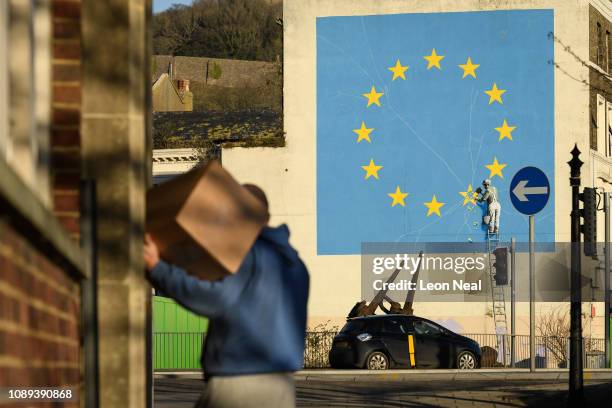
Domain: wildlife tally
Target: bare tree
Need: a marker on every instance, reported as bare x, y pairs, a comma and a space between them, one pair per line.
554, 328
173, 29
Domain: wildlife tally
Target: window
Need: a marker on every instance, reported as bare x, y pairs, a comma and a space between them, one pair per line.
394, 326
25, 87
604, 126
4, 92
353, 326
426, 329
601, 125
609, 46
609, 127
609, 67
41, 94
600, 47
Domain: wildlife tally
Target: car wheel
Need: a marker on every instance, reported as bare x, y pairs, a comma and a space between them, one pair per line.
466, 361
377, 361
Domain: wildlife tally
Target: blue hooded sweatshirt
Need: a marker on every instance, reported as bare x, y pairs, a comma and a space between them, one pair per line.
257, 316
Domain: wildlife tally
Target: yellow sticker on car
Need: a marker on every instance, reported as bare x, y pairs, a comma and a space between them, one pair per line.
411, 349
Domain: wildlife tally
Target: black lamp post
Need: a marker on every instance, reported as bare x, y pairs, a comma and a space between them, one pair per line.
576, 386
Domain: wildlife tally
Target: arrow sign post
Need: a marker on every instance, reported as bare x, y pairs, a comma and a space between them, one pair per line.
529, 193
521, 190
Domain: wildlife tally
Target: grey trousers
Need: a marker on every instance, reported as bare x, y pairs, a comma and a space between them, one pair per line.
494, 210
275, 390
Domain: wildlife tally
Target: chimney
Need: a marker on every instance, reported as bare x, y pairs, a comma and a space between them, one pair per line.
183, 89
170, 70
182, 85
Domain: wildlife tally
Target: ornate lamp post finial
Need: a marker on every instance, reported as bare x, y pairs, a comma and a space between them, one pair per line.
575, 163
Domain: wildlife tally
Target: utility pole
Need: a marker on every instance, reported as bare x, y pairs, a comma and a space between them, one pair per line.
512, 302
519, 192
576, 391
532, 357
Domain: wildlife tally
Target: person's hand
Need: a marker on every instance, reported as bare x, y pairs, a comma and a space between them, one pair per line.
150, 252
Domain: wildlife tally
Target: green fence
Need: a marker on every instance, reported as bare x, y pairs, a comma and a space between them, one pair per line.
168, 316
178, 336
177, 351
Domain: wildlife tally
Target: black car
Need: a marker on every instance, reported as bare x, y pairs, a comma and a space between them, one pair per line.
384, 341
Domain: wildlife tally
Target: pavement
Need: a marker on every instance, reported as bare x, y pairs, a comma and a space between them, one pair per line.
412, 388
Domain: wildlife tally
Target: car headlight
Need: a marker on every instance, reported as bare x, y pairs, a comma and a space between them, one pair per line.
364, 336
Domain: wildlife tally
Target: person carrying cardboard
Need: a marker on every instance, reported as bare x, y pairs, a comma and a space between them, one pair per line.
257, 319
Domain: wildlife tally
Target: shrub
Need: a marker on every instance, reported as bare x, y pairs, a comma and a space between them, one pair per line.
215, 71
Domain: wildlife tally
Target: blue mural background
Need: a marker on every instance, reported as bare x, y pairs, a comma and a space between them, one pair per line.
434, 131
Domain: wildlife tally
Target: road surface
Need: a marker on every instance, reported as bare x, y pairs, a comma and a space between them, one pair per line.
406, 390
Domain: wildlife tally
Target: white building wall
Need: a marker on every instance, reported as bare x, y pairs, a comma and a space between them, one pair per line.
288, 174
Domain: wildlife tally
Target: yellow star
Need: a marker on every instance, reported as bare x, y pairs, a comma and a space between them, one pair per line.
363, 133
371, 169
398, 197
373, 97
434, 206
505, 130
434, 59
469, 68
398, 70
469, 196
495, 94
495, 168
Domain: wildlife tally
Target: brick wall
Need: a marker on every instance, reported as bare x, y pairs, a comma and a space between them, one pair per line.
66, 105
39, 320
40, 343
599, 83
605, 26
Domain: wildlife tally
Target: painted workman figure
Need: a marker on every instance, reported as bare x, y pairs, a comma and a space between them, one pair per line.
491, 197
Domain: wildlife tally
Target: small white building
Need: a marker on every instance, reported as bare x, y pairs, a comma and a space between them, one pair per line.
168, 163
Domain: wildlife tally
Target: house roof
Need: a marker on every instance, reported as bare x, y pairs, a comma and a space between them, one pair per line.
245, 128
165, 78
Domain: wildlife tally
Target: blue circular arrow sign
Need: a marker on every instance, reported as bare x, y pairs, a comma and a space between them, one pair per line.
529, 190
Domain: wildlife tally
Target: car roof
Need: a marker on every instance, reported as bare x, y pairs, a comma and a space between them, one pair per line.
385, 316
389, 316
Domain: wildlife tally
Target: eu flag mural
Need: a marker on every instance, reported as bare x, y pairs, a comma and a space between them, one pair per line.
414, 111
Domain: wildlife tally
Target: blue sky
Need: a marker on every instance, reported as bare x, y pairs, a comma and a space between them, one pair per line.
161, 5
434, 131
